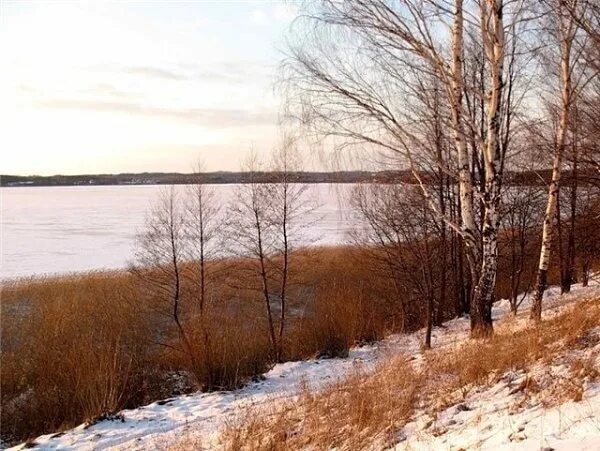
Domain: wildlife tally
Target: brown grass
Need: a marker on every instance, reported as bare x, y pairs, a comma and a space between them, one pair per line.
347, 415
65, 358
367, 409
77, 347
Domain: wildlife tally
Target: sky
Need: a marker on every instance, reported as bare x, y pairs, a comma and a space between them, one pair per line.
133, 86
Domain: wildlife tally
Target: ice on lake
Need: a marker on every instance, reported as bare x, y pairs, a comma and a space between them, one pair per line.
77, 228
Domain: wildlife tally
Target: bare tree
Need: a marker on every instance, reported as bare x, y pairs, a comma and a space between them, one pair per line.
288, 213
565, 33
521, 219
357, 81
202, 219
251, 237
160, 256
402, 239
267, 218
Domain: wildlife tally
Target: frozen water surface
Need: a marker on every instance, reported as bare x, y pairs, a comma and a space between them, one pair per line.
78, 228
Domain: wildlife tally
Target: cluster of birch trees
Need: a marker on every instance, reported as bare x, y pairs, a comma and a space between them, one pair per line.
464, 94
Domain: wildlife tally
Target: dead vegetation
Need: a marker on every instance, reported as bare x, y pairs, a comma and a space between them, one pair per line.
78, 347
371, 407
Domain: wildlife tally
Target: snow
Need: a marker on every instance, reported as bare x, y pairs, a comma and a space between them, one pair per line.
80, 228
485, 419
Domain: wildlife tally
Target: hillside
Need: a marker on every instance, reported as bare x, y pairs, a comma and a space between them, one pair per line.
543, 393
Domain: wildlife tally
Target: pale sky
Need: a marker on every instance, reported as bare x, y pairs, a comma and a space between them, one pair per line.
97, 87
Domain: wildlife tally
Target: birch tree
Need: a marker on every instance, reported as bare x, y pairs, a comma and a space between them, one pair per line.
251, 237
354, 83
160, 254
289, 208
267, 217
565, 35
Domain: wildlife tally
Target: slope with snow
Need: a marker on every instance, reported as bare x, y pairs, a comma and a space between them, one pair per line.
509, 416
483, 421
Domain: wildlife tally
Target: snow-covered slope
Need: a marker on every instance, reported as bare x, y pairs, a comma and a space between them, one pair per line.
509, 415
483, 421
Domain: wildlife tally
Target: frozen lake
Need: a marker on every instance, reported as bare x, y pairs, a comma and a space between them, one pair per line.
77, 228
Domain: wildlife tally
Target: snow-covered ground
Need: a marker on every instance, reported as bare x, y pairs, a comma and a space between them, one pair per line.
81, 228
483, 422
489, 419
508, 416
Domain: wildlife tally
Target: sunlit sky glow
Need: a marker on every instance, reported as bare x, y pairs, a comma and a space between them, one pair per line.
97, 87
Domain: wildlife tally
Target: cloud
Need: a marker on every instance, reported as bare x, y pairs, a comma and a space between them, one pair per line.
233, 72
222, 72
207, 117
109, 90
155, 72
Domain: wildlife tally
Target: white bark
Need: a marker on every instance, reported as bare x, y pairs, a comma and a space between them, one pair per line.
492, 32
464, 174
567, 35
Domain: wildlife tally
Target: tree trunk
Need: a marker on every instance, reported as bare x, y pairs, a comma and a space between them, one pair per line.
570, 270
585, 273
566, 95
429, 322
465, 184
285, 270
559, 232
265, 283
483, 296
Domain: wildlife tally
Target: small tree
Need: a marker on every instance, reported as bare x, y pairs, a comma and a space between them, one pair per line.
288, 214
159, 266
266, 220
403, 239
250, 236
201, 222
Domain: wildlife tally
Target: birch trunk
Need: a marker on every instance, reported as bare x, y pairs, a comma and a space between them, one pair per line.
566, 38
492, 31
465, 180
464, 174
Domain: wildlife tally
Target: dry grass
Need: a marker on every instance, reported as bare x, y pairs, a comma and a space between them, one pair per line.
64, 358
347, 415
367, 409
75, 348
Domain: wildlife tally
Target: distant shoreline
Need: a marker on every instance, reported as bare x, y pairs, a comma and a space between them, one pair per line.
223, 177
